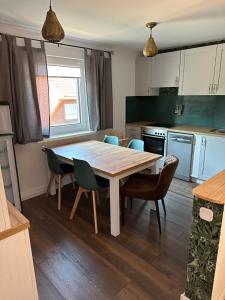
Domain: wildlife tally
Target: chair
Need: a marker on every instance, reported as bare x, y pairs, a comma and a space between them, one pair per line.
58, 169
150, 187
136, 145
87, 181
111, 139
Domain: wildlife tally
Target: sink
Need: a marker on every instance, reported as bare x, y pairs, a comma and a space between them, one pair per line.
218, 130
213, 130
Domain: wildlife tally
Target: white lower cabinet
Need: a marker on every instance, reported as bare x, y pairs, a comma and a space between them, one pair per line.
211, 156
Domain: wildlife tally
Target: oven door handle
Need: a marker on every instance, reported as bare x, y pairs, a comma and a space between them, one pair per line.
154, 136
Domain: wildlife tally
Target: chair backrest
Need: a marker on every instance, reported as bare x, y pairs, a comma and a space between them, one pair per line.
111, 139
84, 175
53, 161
136, 145
166, 175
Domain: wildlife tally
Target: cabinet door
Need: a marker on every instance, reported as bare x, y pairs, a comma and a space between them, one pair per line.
166, 69
219, 88
143, 76
212, 158
197, 70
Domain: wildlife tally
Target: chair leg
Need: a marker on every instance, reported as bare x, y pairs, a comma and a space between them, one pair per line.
158, 215
50, 184
59, 191
123, 210
72, 180
164, 207
76, 201
94, 211
131, 202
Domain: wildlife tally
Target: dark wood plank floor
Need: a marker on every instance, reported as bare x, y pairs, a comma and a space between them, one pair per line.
71, 262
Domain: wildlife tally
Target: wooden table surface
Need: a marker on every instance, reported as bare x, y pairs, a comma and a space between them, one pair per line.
109, 159
212, 190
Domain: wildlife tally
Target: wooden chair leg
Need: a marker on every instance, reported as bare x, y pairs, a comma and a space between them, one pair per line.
59, 191
76, 201
158, 215
94, 211
164, 207
50, 184
72, 180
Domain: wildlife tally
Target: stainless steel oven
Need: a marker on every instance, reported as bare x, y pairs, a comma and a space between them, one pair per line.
155, 140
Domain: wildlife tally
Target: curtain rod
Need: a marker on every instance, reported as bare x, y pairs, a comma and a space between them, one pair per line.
59, 44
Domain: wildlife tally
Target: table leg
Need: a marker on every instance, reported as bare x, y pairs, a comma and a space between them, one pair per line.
114, 206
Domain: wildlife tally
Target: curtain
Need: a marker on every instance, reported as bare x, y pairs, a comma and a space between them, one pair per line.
24, 84
98, 73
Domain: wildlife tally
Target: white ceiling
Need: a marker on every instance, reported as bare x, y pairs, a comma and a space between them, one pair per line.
182, 22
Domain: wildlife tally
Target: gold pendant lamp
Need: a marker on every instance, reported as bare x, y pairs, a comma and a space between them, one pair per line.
52, 30
150, 48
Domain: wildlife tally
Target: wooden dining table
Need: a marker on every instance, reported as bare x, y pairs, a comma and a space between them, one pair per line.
111, 162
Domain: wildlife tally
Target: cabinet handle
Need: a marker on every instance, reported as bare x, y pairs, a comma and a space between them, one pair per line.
203, 141
176, 80
210, 88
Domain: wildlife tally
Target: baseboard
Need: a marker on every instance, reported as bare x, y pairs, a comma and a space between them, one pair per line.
183, 297
25, 195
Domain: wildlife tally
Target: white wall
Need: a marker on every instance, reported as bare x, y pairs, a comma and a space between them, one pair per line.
32, 166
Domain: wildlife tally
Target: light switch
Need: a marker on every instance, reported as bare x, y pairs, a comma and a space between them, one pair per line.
206, 214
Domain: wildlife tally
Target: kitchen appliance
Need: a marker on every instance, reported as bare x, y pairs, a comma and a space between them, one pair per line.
154, 136
7, 158
181, 145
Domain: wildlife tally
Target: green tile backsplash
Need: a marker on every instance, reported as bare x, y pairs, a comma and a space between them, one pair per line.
206, 111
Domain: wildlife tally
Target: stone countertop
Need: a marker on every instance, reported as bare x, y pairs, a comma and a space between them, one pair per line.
182, 128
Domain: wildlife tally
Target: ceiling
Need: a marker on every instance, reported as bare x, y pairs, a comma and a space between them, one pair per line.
122, 22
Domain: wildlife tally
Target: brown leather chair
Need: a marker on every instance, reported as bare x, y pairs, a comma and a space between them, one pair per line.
150, 187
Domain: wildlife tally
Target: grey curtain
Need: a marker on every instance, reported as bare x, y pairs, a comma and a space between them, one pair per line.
98, 73
24, 84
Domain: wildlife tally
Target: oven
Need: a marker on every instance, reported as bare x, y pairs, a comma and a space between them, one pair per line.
155, 141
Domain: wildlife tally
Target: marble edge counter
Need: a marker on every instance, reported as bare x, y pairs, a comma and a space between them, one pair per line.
212, 190
181, 128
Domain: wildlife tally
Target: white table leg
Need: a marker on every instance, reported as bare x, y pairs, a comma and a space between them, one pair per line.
114, 206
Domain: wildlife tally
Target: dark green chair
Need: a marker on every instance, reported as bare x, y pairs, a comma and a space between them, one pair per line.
87, 181
111, 139
58, 169
136, 144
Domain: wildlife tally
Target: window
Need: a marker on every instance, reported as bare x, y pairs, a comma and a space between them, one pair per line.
68, 101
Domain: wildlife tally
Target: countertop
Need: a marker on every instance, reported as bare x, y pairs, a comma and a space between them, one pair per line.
182, 128
212, 190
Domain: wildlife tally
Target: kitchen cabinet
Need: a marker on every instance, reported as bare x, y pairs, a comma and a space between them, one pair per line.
198, 66
143, 80
219, 87
211, 156
133, 132
166, 69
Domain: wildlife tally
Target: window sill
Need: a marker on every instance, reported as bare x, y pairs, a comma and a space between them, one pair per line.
67, 136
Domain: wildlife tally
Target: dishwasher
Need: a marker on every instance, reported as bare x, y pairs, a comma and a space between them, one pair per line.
180, 145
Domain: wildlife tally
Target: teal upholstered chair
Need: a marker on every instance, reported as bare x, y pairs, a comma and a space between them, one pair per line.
87, 181
136, 145
111, 139
58, 170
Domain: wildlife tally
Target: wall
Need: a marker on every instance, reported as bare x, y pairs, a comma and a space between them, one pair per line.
206, 111
32, 167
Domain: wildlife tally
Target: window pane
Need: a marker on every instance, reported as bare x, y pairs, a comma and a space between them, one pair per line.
64, 95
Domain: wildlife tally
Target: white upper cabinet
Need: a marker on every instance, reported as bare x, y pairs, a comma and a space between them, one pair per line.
219, 81
166, 69
143, 77
198, 67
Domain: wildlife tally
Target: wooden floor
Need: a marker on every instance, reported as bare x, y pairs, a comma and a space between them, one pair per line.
71, 262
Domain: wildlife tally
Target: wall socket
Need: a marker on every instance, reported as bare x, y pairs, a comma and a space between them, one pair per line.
178, 109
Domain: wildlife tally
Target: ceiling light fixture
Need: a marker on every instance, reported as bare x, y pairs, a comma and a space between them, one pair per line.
150, 48
52, 30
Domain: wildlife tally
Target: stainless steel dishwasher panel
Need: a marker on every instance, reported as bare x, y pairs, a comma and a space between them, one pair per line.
180, 145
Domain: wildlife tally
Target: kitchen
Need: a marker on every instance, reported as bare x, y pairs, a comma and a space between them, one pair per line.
179, 108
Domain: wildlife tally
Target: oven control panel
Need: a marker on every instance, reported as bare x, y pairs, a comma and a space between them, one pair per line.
155, 131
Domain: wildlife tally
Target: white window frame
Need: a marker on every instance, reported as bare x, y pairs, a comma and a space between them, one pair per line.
65, 129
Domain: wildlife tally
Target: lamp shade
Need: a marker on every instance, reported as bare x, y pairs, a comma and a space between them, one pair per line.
150, 48
52, 30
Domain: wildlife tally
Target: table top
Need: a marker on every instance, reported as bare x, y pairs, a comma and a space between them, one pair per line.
109, 159
212, 190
